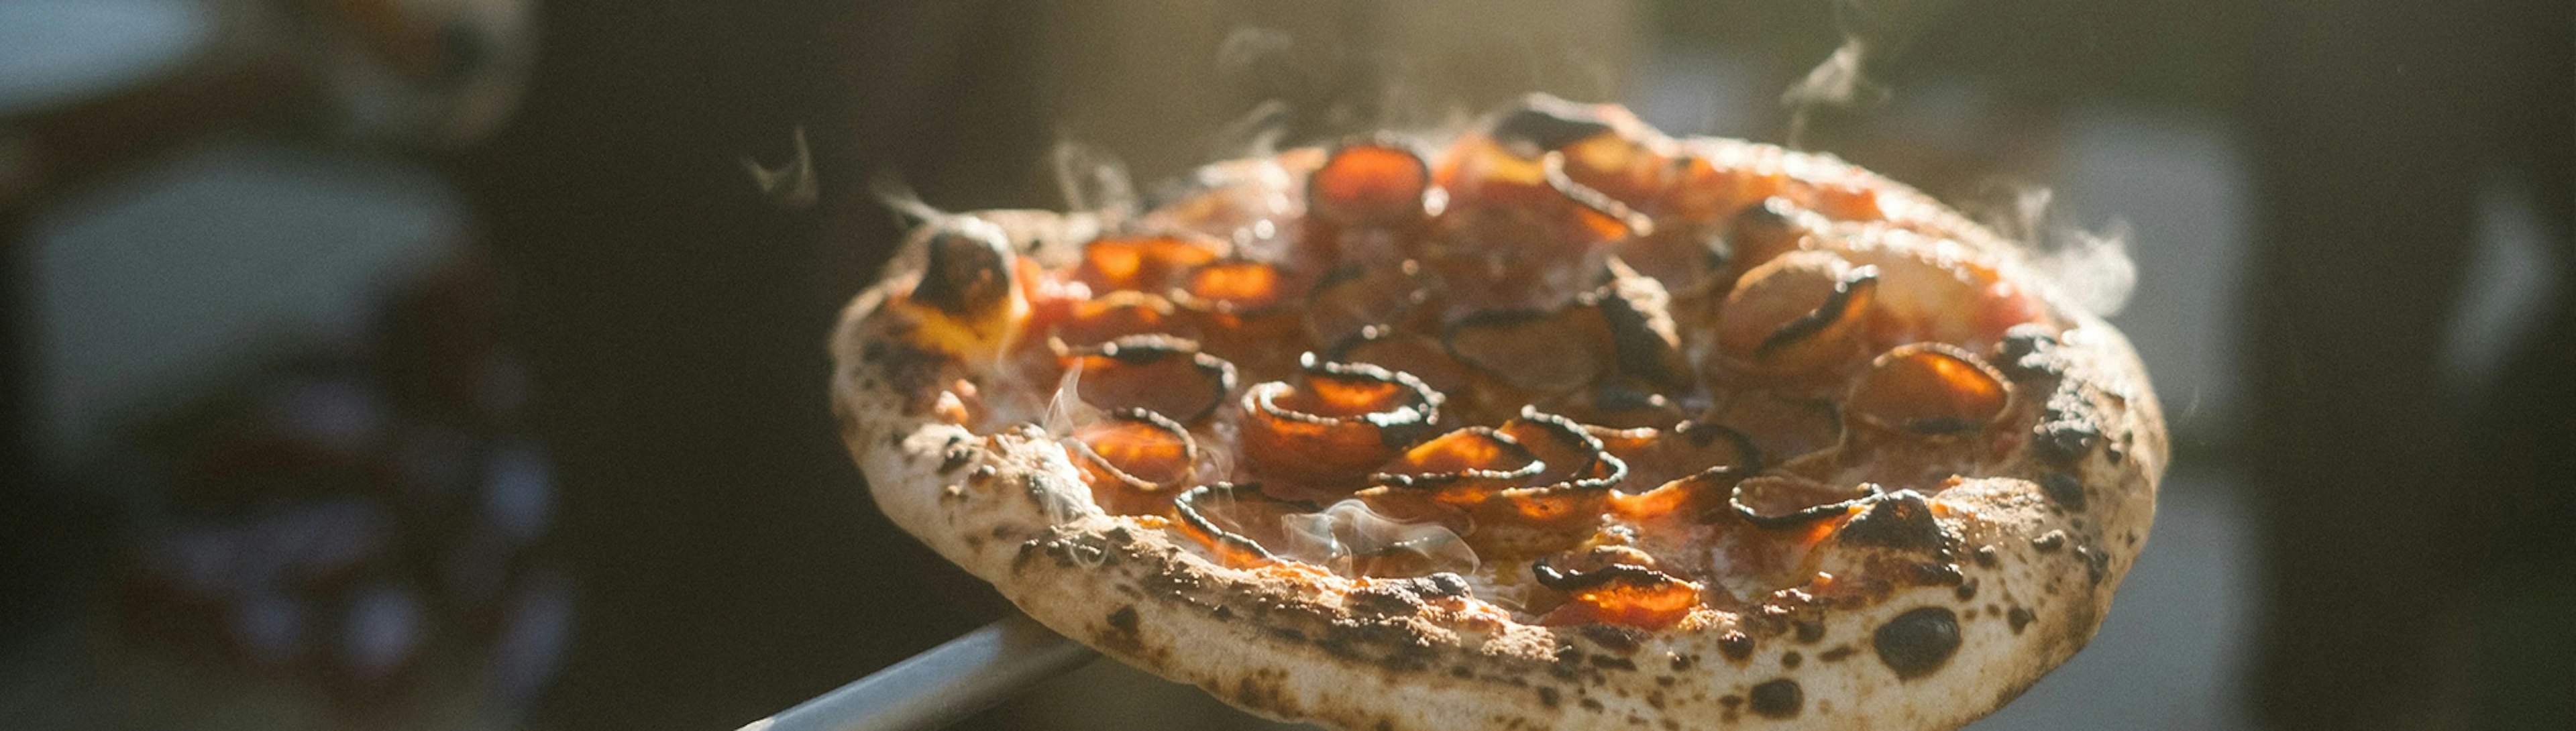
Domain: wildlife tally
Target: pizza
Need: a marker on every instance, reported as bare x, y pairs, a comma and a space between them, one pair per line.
1565, 424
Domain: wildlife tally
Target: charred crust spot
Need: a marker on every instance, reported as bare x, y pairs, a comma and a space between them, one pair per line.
2049, 541
1938, 574
1967, 590
1607, 662
1917, 642
2096, 563
1837, 654
1387, 599
956, 457
1730, 701
2019, 617
1121, 637
1808, 631
1461, 671
1683, 662
1986, 556
1900, 520
1792, 660
1615, 638
2067, 430
1590, 705
1666, 681
1548, 696
1777, 699
2027, 352
1735, 645
2063, 488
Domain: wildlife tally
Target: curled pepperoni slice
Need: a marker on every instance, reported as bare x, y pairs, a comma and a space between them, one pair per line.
1136, 461
1375, 181
1334, 423
1798, 314
1928, 389
1141, 263
1156, 373
1463, 466
1243, 312
1419, 355
1783, 502
1533, 352
1656, 456
1354, 298
1235, 521
1087, 324
1619, 593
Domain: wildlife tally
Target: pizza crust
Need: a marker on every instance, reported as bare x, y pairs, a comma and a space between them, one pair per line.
2036, 565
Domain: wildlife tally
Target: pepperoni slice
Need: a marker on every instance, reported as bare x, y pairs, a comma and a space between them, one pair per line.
1420, 355
1136, 461
1334, 423
1087, 324
1463, 466
1156, 373
1624, 594
1656, 456
1141, 263
1354, 298
1928, 389
1533, 352
1242, 310
1373, 181
1799, 314
1236, 521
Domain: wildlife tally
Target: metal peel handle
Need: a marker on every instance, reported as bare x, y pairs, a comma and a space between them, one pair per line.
940, 686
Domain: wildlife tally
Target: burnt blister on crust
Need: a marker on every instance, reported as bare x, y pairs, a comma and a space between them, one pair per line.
1900, 520
1918, 642
1780, 698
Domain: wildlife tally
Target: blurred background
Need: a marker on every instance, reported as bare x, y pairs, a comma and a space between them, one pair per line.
456, 364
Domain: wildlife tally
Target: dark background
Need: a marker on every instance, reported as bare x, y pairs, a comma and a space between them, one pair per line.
2412, 539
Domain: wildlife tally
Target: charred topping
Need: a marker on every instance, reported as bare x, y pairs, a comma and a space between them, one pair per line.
1801, 516
1399, 425
1544, 124
969, 267
1189, 447
1641, 351
1835, 306
1625, 573
1605, 470
1187, 506
1929, 389
1145, 350
1553, 163
1703, 434
1510, 449
2025, 351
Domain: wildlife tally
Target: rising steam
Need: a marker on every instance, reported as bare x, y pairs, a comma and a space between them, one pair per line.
1873, 31
2091, 266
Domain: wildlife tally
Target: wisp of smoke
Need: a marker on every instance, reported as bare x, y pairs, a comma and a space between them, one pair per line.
1093, 180
1872, 32
2091, 266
